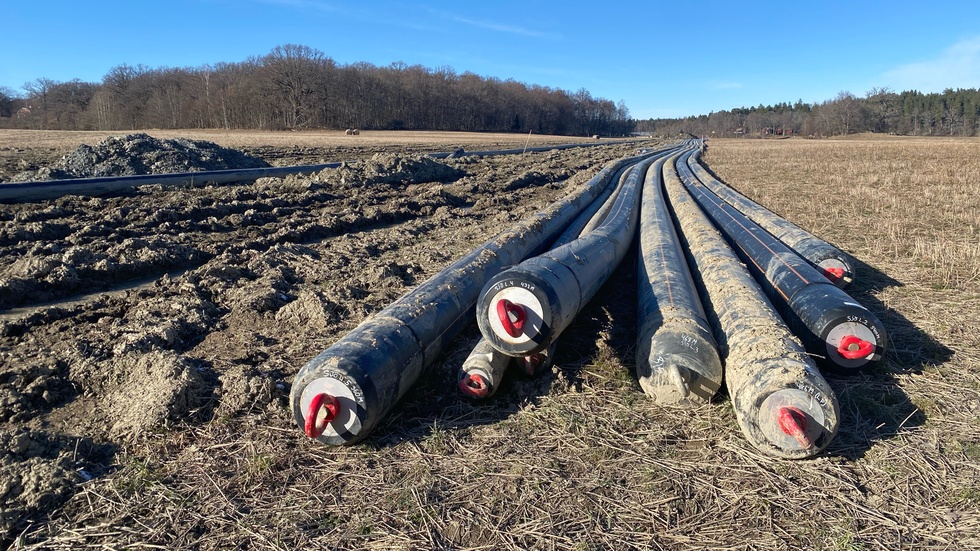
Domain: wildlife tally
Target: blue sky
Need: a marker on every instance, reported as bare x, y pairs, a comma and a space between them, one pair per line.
664, 59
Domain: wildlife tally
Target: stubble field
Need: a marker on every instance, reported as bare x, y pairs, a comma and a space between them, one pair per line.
156, 416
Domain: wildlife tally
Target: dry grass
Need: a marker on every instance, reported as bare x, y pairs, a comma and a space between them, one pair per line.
582, 460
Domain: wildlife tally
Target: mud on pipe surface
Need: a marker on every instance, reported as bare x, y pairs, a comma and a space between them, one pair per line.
339, 396
784, 407
844, 335
522, 310
833, 263
677, 361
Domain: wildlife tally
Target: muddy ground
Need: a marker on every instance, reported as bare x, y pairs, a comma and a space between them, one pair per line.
168, 307
148, 341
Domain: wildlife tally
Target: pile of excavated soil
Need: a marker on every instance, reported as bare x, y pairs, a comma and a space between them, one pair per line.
135, 154
212, 298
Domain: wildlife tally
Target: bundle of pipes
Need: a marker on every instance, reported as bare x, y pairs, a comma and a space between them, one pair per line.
341, 394
481, 372
833, 263
841, 333
522, 310
783, 405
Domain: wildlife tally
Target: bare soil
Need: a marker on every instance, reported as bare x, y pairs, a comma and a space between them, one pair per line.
149, 340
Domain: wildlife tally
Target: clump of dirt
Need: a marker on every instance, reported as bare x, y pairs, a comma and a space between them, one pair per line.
243, 389
135, 154
388, 168
34, 476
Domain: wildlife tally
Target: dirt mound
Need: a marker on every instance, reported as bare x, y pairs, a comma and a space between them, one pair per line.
135, 154
388, 168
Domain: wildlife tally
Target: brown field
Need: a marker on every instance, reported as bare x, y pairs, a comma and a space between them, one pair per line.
578, 459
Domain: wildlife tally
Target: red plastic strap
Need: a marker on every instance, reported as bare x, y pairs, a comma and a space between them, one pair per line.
793, 423
322, 400
512, 317
474, 385
834, 274
855, 348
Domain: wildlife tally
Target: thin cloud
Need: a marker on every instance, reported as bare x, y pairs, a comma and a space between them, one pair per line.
956, 67
724, 85
510, 29
303, 4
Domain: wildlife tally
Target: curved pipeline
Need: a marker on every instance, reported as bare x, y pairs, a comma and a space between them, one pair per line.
677, 359
836, 329
591, 217
522, 310
783, 405
374, 365
833, 263
480, 375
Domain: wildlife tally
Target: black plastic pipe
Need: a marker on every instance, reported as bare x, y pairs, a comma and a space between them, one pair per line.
480, 375
677, 361
783, 406
523, 310
833, 263
843, 334
339, 396
578, 227
52, 189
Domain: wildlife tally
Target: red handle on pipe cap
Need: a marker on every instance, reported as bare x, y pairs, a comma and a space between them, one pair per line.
793, 423
834, 274
325, 401
512, 317
855, 348
474, 385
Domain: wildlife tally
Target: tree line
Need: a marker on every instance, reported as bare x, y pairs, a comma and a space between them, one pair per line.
913, 113
298, 87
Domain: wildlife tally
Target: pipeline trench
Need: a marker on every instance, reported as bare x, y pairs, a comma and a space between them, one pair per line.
155, 330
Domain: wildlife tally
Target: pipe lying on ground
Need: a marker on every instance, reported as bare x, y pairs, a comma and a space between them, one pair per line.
833, 263
844, 335
339, 396
481, 372
600, 216
783, 405
52, 189
522, 310
580, 226
677, 359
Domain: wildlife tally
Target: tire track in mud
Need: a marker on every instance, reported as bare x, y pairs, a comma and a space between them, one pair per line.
246, 283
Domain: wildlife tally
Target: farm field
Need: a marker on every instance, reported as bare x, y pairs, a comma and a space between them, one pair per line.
147, 406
